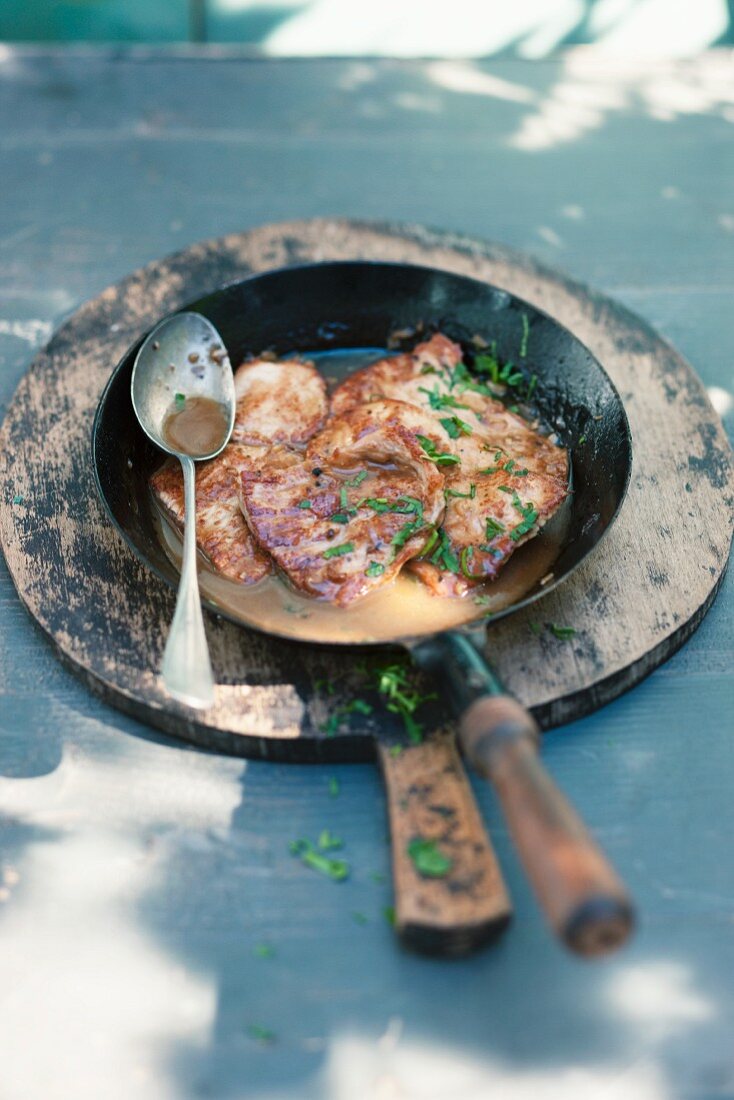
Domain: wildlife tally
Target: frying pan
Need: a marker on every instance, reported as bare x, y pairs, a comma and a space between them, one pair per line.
319, 307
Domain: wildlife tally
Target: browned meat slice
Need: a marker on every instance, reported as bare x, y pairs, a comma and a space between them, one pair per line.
278, 402
381, 431
343, 523
504, 479
221, 532
399, 377
488, 515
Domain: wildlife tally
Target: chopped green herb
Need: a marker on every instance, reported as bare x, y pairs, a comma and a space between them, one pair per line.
505, 489
357, 479
449, 493
339, 517
395, 750
359, 918
529, 514
428, 859
531, 387
406, 532
343, 497
443, 555
377, 504
263, 951
374, 569
333, 787
440, 401
18, 498
339, 551
336, 869
389, 914
582, 439
358, 706
525, 336
327, 841
305, 504
564, 633
494, 527
467, 555
429, 543
331, 726
260, 1033
454, 427
535, 627
482, 601
377, 876
180, 399
394, 684
428, 369
441, 459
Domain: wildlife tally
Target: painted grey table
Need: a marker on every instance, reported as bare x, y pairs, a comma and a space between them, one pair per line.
140, 878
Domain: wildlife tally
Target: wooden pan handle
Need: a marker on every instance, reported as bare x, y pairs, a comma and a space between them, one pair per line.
429, 798
581, 895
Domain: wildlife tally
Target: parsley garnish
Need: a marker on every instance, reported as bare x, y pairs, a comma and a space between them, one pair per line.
582, 439
494, 527
525, 336
441, 459
564, 633
327, 841
339, 551
448, 493
395, 750
263, 951
389, 913
407, 531
374, 569
357, 479
305, 504
428, 859
535, 628
402, 698
18, 498
466, 555
455, 427
444, 555
262, 1034
180, 399
336, 869
529, 514
440, 401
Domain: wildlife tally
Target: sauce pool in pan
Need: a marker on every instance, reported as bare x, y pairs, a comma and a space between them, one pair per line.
399, 610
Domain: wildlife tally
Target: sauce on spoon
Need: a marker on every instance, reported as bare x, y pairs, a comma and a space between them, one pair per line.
195, 425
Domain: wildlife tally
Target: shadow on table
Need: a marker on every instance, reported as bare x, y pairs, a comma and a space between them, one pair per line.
340, 1011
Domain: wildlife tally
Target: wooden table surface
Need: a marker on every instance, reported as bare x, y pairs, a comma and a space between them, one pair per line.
139, 877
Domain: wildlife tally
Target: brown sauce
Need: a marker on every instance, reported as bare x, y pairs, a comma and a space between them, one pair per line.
401, 610
195, 425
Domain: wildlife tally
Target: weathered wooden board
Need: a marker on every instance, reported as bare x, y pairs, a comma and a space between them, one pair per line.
638, 598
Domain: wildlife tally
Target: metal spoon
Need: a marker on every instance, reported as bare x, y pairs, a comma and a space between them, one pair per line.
184, 355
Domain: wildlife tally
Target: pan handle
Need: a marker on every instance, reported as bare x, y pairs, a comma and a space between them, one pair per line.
582, 897
429, 799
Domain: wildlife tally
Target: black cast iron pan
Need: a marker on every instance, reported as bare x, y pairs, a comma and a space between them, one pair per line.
322, 307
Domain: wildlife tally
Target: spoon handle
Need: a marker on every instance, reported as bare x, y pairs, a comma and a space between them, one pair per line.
186, 669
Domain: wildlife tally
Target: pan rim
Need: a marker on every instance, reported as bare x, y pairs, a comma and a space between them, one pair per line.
482, 620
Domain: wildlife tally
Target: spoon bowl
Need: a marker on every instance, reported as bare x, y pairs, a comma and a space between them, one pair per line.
184, 360
183, 355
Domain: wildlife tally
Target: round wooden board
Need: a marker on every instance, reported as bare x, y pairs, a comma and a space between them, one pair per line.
633, 603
